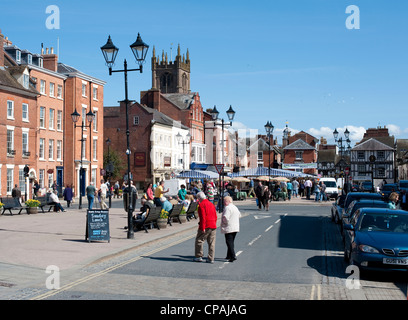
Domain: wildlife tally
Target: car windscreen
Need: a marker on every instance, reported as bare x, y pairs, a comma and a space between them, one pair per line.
384, 222
330, 184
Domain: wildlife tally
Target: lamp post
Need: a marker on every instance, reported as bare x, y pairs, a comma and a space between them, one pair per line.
183, 142
342, 149
109, 171
214, 114
109, 51
269, 130
90, 117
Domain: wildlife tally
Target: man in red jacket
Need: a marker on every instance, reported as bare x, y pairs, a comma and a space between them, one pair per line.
206, 228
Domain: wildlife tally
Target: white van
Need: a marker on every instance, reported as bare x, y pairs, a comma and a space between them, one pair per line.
331, 187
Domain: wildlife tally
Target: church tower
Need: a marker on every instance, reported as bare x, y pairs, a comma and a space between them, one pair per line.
171, 76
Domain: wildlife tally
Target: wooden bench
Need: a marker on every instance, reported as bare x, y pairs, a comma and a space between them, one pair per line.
151, 219
175, 213
11, 204
191, 211
44, 201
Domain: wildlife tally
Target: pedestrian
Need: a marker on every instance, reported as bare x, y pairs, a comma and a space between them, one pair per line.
165, 204
266, 196
251, 189
116, 188
90, 193
55, 201
182, 193
258, 192
289, 186
36, 187
316, 190
16, 193
308, 187
302, 188
295, 185
103, 191
210, 191
68, 195
230, 226
393, 200
158, 193
207, 227
323, 192
149, 192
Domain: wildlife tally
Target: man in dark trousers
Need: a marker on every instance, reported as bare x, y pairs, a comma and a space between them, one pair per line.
206, 228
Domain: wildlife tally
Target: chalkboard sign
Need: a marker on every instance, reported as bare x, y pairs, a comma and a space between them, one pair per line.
97, 225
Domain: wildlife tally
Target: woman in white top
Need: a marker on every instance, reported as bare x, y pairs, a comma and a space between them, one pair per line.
230, 226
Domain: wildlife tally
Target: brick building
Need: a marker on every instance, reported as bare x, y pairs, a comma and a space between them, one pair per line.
18, 125
50, 144
155, 151
301, 153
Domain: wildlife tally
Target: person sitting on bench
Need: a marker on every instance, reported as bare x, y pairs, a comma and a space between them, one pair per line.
54, 200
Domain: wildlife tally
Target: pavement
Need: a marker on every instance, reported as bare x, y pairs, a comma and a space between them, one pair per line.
50, 238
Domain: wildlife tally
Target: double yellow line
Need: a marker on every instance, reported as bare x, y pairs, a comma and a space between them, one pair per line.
105, 271
316, 291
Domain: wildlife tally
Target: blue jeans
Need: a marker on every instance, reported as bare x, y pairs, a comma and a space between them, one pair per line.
91, 199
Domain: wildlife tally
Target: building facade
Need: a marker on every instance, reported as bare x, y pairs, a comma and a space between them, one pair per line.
50, 143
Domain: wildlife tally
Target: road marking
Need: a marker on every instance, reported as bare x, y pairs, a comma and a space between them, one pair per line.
269, 228
253, 241
318, 293
226, 262
105, 271
277, 221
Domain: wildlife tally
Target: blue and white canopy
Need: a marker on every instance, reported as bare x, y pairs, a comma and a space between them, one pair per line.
263, 171
198, 174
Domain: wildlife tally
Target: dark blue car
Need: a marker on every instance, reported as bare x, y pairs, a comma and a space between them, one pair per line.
357, 204
377, 239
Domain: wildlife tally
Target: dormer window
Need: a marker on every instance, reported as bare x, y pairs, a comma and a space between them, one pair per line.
40, 62
30, 59
26, 80
18, 56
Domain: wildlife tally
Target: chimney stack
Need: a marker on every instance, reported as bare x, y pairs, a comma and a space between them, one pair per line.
50, 60
1, 50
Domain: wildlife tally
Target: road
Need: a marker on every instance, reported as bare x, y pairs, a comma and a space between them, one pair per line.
290, 252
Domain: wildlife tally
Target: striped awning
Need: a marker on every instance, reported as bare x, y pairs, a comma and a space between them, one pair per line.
263, 171
198, 174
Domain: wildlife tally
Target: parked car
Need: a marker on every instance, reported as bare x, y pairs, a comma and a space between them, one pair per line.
366, 186
351, 196
403, 185
331, 187
388, 188
337, 209
377, 239
357, 204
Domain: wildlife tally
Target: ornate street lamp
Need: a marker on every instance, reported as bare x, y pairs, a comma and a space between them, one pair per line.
139, 50
214, 114
180, 140
90, 117
269, 130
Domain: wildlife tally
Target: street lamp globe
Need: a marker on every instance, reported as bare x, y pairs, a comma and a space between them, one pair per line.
139, 49
75, 116
230, 113
214, 113
109, 52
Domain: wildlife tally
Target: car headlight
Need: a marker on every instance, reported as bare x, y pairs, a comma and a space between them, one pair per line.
367, 249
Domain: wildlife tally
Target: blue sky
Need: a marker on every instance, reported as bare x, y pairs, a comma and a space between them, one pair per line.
287, 61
